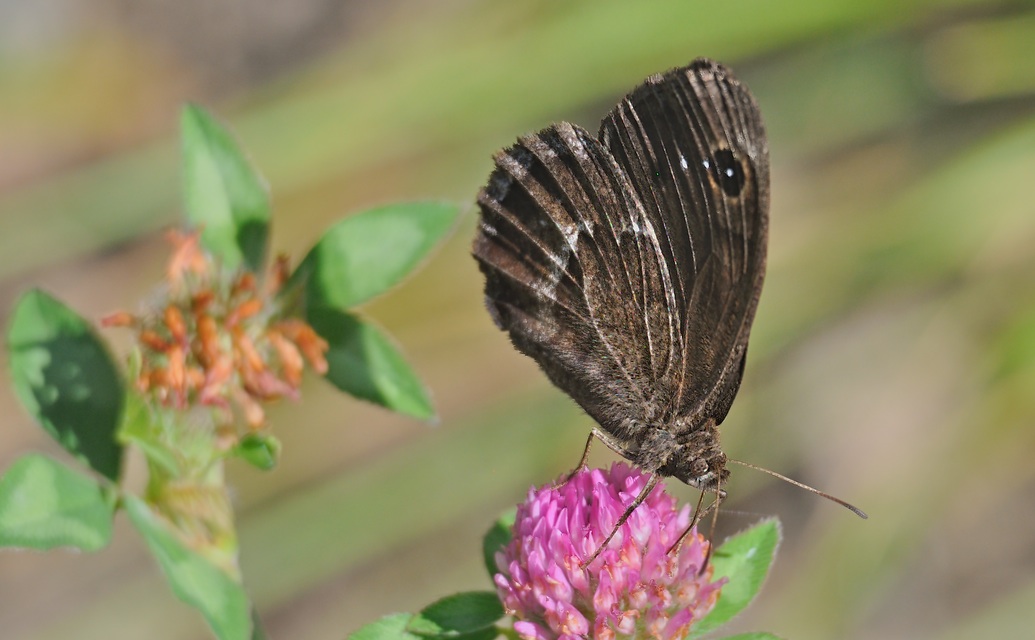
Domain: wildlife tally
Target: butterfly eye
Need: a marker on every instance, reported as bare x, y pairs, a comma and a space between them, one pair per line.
698, 468
726, 171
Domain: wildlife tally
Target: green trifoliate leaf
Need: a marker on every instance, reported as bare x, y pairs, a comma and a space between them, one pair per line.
223, 195
195, 580
458, 615
363, 362
392, 627
64, 377
497, 537
369, 252
744, 559
44, 504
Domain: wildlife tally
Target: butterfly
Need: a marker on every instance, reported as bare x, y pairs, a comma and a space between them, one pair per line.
629, 264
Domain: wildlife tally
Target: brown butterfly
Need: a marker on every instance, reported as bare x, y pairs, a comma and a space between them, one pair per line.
629, 265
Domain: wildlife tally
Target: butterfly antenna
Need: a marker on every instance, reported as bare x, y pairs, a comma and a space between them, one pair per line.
851, 507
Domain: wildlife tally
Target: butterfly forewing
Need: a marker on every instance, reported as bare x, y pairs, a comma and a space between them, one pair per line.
693, 145
629, 266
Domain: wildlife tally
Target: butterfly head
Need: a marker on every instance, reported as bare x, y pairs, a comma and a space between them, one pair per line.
699, 461
706, 474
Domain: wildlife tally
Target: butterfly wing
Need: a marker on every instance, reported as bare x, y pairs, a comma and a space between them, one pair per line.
568, 273
611, 267
694, 147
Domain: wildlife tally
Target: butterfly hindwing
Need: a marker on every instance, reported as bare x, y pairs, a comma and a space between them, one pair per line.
567, 273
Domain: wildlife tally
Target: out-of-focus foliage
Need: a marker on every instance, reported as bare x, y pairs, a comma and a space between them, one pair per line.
891, 361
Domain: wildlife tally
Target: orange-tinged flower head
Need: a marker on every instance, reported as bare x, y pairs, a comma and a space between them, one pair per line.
220, 340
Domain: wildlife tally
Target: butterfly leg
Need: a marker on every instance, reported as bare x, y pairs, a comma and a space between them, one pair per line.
698, 516
582, 462
654, 478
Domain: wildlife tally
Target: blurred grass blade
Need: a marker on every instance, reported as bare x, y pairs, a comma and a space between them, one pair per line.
64, 377
223, 195
363, 362
744, 559
194, 579
44, 505
368, 253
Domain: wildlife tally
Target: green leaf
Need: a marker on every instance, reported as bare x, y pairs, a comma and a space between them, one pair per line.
44, 504
391, 627
744, 559
488, 633
754, 635
65, 378
194, 579
497, 537
368, 253
223, 195
258, 631
363, 362
261, 451
457, 615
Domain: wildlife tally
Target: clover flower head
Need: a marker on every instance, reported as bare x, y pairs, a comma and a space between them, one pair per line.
219, 339
635, 588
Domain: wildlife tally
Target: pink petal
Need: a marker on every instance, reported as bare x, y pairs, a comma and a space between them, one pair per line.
532, 631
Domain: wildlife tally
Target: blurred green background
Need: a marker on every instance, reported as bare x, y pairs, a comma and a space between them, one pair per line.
892, 360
